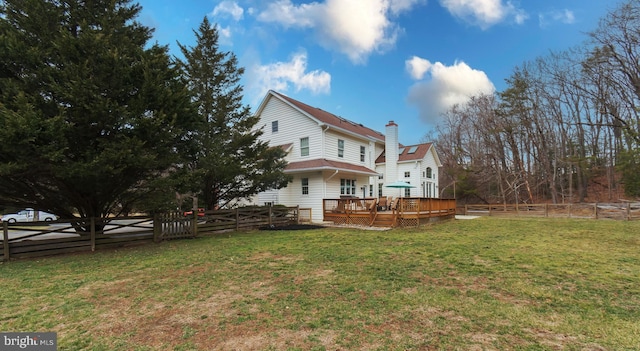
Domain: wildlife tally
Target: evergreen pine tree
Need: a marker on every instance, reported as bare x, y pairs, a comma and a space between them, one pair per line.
91, 117
231, 163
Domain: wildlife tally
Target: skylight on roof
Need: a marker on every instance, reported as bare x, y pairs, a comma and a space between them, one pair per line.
400, 151
412, 150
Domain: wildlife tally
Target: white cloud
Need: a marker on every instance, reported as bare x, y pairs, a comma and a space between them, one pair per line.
229, 8
355, 28
225, 35
563, 16
417, 67
447, 86
484, 13
281, 76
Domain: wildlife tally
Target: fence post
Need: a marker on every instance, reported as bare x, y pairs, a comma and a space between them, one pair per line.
595, 210
546, 210
270, 221
194, 223
5, 238
237, 219
156, 227
628, 211
92, 230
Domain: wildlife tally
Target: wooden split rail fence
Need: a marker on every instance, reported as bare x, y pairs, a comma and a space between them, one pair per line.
36, 239
618, 211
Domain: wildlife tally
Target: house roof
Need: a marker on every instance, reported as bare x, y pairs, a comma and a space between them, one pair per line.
330, 119
409, 153
324, 164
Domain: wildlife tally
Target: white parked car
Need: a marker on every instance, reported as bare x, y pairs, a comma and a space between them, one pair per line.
28, 215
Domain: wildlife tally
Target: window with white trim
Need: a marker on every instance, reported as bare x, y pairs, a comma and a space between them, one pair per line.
274, 127
407, 174
340, 148
305, 186
348, 187
429, 172
363, 152
304, 146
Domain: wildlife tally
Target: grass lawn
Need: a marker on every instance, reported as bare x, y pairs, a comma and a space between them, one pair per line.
484, 284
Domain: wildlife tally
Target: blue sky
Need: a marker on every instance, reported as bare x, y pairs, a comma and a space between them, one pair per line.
372, 61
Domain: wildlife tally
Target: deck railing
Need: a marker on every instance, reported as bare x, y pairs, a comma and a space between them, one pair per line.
406, 211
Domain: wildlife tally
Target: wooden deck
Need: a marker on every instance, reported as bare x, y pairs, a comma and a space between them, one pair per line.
398, 212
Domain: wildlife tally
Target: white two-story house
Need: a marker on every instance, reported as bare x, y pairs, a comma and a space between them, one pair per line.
330, 157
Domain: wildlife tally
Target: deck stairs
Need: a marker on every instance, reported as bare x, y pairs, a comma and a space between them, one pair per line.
383, 219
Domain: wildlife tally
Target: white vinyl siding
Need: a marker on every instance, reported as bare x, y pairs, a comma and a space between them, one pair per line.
411, 173
292, 194
431, 188
350, 151
292, 125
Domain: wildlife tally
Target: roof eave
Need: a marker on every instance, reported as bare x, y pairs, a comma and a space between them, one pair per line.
329, 168
348, 132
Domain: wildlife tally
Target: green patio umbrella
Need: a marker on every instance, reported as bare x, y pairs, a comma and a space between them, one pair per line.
400, 185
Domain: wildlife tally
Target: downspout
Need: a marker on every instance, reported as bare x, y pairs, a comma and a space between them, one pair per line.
324, 130
326, 180
325, 127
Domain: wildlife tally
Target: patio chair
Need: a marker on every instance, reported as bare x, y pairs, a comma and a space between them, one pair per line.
372, 205
393, 204
382, 203
390, 202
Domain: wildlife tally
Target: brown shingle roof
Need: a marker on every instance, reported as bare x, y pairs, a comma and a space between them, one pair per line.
419, 151
324, 164
333, 120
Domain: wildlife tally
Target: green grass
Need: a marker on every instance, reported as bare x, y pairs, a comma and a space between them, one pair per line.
485, 284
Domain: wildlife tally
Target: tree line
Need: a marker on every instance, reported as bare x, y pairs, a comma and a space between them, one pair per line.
566, 124
95, 120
